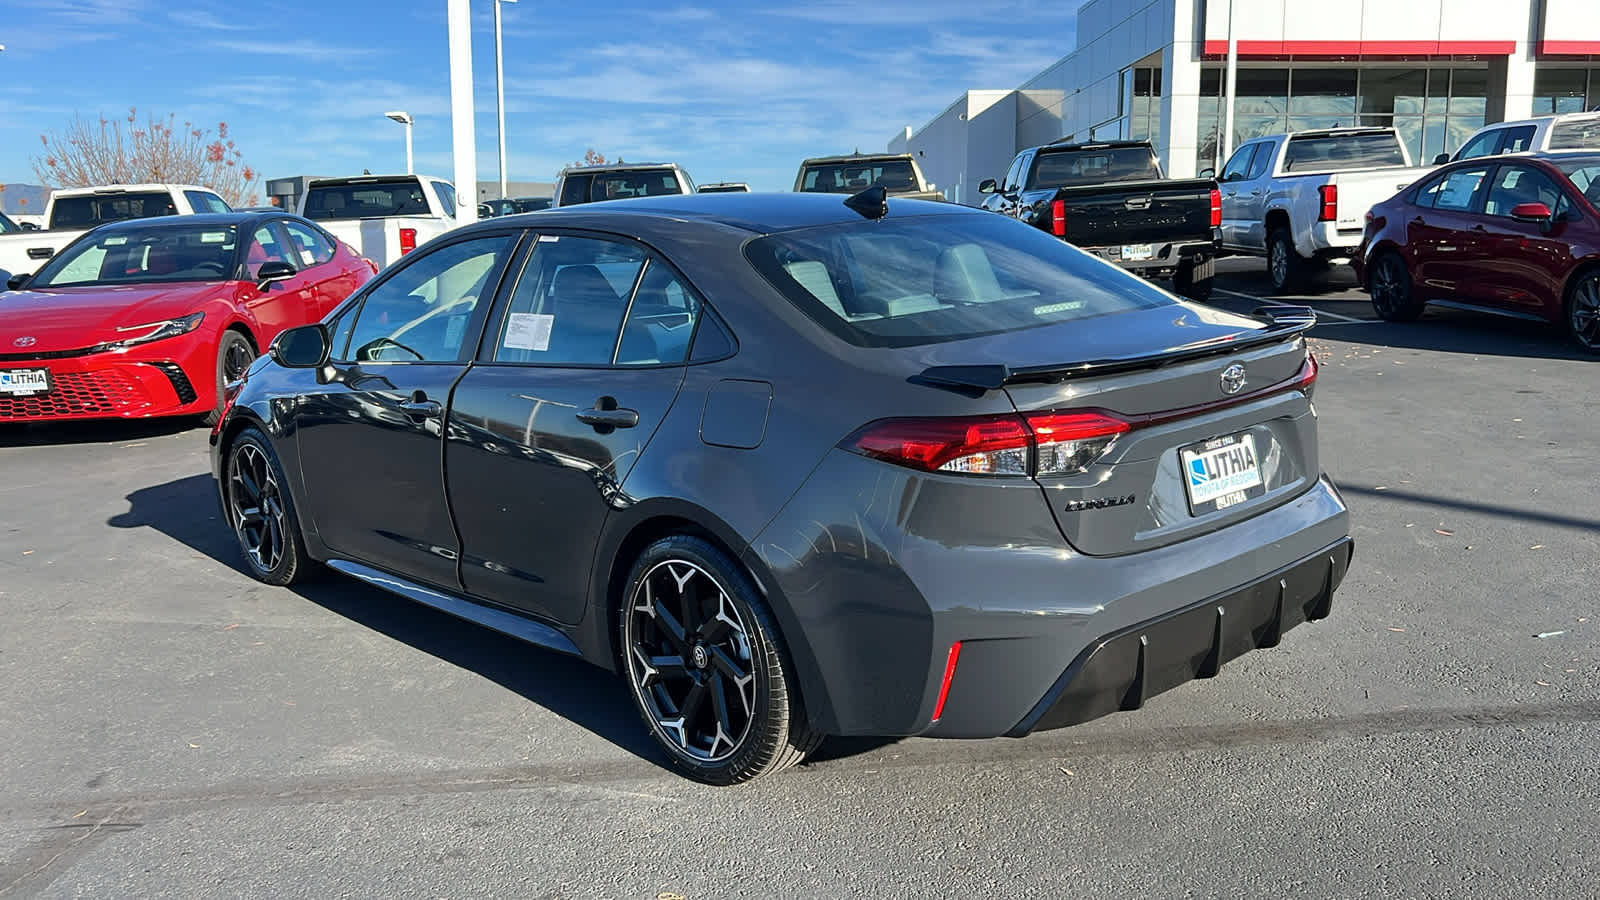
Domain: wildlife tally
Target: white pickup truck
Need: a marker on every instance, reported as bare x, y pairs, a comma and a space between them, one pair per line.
1301, 198
383, 217
71, 211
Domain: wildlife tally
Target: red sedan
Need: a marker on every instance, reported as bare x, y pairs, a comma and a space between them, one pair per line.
1512, 235
151, 317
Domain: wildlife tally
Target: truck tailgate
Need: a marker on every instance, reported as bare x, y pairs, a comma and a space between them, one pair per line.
1359, 191
1138, 212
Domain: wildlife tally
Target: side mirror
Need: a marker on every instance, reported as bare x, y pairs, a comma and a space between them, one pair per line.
987, 186
306, 347
274, 271
1531, 212
1441, 159
1207, 172
17, 282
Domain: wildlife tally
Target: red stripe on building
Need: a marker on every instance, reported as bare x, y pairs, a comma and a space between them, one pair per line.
1374, 48
1555, 48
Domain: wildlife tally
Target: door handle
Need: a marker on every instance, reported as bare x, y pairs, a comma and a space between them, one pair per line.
420, 406
1419, 221
1479, 227
606, 416
1256, 192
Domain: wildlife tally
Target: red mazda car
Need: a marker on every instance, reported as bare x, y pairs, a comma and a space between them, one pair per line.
151, 317
1512, 235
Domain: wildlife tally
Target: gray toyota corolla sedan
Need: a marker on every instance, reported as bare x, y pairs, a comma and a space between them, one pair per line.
801, 465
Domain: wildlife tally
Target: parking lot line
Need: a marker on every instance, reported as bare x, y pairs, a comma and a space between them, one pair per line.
1321, 313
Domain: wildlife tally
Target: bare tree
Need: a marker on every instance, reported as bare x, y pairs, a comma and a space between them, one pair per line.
591, 158
93, 152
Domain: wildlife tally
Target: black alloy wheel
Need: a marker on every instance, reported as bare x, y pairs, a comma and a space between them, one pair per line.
704, 665
1389, 283
1583, 311
234, 356
258, 507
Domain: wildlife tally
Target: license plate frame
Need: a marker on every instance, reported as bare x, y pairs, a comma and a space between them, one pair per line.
1138, 252
37, 382
1232, 477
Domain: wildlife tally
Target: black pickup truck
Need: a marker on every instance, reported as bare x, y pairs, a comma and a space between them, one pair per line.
1112, 200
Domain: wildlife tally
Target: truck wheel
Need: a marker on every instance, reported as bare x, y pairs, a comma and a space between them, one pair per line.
1393, 295
1284, 265
1184, 285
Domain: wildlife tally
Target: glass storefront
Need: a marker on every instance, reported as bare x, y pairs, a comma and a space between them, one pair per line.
1434, 108
1565, 90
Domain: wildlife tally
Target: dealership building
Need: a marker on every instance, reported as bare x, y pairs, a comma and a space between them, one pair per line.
1434, 69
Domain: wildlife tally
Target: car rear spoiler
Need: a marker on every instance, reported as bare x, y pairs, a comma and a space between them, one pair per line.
1282, 323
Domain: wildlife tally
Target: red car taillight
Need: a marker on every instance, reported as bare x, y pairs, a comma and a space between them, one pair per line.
1050, 443
1330, 203
1216, 208
1058, 218
408, 240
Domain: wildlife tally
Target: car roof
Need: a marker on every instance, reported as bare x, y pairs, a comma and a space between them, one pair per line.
758, 213
854, 157
617, 167
201, 220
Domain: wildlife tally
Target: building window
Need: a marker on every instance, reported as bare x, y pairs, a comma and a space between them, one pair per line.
1565, 90
1144, 109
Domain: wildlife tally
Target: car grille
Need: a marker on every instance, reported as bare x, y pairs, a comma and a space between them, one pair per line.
105, 392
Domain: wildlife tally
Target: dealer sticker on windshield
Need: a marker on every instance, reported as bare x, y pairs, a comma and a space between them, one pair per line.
1221, 473
24, 382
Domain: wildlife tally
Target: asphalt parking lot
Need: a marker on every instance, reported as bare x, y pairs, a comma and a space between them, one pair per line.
173, 728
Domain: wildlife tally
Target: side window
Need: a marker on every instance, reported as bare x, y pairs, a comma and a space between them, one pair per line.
447, 197
1459, 190
660, 320
569, 302
203, 202
1262, 162
1486, 144
575, 189
267, 246
421, 312
1519, 184
311, 247
1238, 163
1013, 176
1518, 139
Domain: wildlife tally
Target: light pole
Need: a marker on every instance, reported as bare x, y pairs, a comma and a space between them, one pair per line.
1233, 83
404, 118
500, 94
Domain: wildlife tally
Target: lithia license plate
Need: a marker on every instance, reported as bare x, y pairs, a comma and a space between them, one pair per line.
23, 382
1221, 473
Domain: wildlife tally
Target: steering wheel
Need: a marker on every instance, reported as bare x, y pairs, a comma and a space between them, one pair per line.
376, 344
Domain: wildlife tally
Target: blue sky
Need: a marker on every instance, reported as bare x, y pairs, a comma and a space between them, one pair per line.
732, 92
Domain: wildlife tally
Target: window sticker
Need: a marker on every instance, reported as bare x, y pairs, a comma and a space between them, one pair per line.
213, 237
307, 259
549, 238
528, 331
115, 240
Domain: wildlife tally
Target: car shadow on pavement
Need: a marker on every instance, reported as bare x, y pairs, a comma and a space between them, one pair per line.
1452, 331
97, 431
186, 510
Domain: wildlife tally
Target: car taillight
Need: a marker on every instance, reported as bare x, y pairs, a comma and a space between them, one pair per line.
1306, 380
1048, 443
1058, 218
1216, 208
371, 265
408, 240
1330, 203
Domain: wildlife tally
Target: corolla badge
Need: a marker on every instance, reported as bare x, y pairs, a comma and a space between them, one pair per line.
1233, 379
25, 341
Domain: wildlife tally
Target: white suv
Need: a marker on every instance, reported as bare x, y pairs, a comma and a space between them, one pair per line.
1571, 131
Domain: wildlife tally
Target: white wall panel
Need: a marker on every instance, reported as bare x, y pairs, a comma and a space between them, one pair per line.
1572, 20
1399, 20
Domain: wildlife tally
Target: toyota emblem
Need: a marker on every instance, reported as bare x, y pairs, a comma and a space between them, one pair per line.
25, 341
1233, 379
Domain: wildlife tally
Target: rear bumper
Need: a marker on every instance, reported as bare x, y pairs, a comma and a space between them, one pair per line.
1164, 260
116, 386
1327, 239
1122, 670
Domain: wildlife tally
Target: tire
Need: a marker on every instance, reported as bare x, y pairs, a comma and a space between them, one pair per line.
1284, 265
257, 506
1582, 311
1184, 285
1393, 294
234, 355
698, 642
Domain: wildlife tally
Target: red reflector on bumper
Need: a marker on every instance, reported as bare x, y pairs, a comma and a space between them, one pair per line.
949, 672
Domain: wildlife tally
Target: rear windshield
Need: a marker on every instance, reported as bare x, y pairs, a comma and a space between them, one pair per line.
622, 185
368, 200
1065, 168
850, 177
1342, 152
97, 209
155, 255
926, 280
1581, 135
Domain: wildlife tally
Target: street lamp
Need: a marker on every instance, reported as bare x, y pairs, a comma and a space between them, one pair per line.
404, 118
500, 94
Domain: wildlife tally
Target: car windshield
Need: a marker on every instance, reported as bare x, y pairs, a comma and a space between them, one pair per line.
1343, 152
367, 200
88, 210
143, 256
850, 177
923, 280
1584, 173
1583, 134
1064, 168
